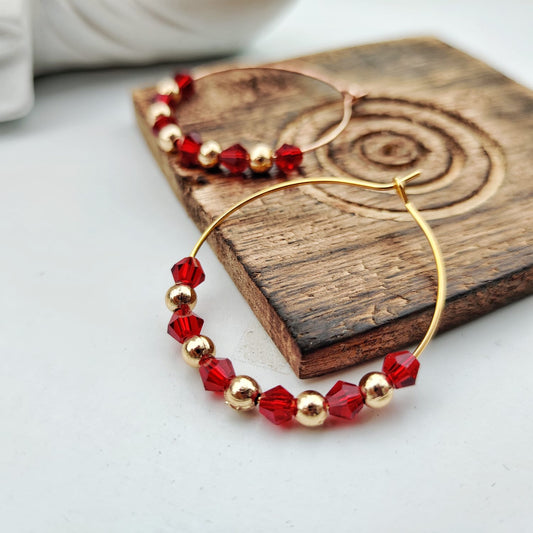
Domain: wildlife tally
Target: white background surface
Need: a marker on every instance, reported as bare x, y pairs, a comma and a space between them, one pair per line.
105, 429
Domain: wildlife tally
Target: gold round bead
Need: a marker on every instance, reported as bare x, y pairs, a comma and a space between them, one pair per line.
261, 158
168, 136
242, 393
208, 154
179, 295
376, 389
195, 348
311, 408
168, 86
157, 109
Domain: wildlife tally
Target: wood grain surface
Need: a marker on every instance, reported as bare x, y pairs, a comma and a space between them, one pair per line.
339, 275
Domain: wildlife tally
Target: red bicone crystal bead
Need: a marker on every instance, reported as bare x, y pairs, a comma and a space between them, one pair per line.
160, 122
288, 157
188, 271
235, 159
183, 325
185, 83
165, 98
189, 147
345, 400
401, 368
277, 404
216, 373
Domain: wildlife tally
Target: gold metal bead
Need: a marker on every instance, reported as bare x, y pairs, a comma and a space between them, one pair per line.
311, 408
179, 295
195, 348
376, 389
261, 158
208, 154
169, 86
168, 136
157, 109
242, 393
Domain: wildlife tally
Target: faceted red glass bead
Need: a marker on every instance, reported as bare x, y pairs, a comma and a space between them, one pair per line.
277, 404
216, 373
165, 98
401, 368
189, 147
345, 400
185, 83
183, 325
160, 122
188, 271
235, 159
288, 157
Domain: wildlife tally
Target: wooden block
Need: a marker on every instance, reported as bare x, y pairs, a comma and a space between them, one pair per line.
338, 275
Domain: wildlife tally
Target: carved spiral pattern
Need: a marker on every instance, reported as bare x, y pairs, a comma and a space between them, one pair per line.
462, 165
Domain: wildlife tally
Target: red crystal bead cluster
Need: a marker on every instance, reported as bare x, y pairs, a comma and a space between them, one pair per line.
310, 408
192, 152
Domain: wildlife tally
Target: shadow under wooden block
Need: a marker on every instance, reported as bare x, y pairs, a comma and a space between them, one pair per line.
338, 275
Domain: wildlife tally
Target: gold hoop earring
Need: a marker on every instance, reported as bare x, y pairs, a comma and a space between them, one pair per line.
310, 408
235, 159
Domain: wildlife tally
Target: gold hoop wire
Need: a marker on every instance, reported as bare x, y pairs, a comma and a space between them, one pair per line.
351, 95
398, 185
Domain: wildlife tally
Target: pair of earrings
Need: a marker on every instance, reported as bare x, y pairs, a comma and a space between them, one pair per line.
243, 393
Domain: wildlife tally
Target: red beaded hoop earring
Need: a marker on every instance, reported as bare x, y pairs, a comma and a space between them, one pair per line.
235, 159
310, 408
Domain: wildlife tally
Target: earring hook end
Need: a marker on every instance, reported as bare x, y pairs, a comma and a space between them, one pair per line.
415, 174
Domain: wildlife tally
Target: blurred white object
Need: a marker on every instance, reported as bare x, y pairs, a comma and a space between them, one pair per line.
16, 72
39, 36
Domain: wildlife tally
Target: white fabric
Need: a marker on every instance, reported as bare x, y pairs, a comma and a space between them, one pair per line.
79, 34
16, 77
